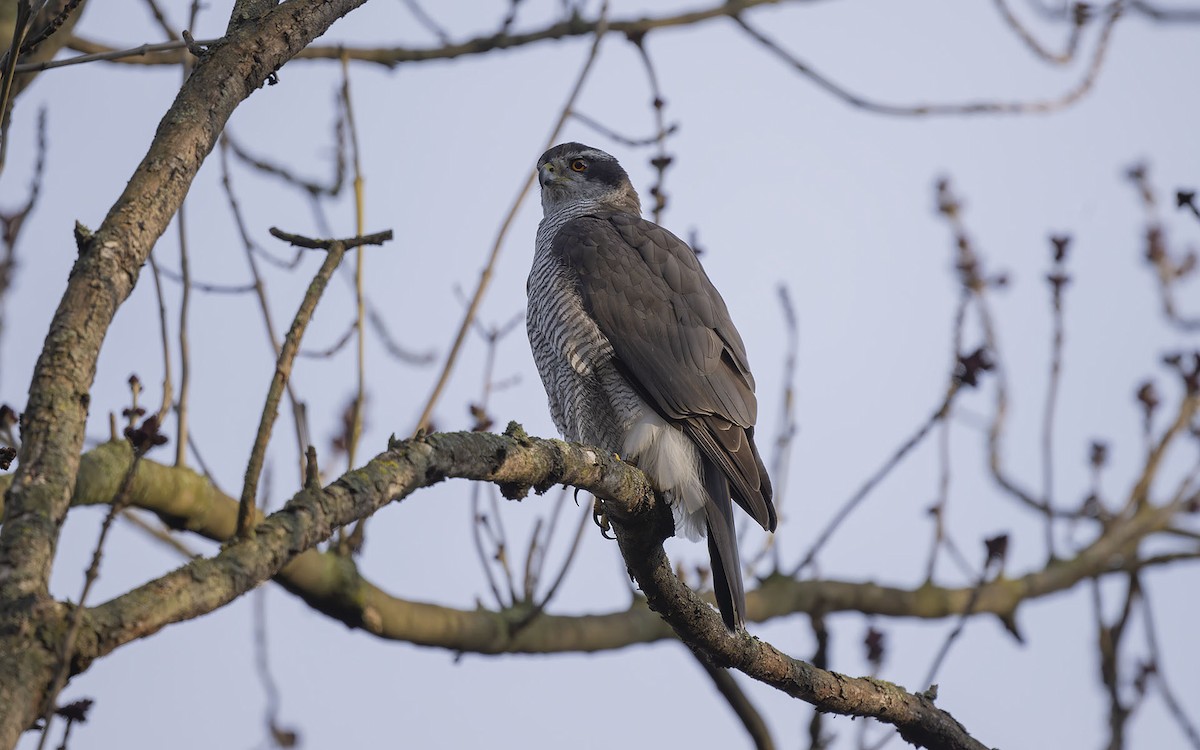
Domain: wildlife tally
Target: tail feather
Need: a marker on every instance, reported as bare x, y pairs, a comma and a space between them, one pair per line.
722, 548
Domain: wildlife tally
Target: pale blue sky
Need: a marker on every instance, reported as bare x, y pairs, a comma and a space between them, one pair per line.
784, 185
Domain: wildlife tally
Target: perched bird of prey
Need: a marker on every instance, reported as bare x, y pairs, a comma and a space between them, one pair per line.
639, 357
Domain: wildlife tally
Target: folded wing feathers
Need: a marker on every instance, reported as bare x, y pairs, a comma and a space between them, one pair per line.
705, 383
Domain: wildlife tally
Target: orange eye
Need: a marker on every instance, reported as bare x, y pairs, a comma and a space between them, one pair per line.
579, 165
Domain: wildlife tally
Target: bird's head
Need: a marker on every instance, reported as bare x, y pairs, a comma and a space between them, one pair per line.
572, 174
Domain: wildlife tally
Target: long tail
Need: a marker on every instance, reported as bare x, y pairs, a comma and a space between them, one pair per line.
722, 548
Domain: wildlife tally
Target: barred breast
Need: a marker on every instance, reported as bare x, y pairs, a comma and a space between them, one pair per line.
590, 401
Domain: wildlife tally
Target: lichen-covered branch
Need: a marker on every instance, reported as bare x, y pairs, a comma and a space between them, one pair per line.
517, 464
331, 583
915, 716
283, 548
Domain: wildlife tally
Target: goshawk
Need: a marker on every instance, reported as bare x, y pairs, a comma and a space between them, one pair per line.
639, 356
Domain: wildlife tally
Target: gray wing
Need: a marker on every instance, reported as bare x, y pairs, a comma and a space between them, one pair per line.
673, 339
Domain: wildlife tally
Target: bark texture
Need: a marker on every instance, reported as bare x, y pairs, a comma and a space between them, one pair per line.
517, 464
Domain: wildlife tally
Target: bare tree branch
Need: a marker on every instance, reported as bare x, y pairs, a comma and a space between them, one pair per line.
333, 585
103, 277
1078, 19
966, 108
393, 56
516, 463
733, 694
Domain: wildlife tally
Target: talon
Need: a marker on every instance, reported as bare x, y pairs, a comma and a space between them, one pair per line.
600, 518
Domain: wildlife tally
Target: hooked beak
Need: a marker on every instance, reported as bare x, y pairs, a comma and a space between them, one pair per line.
548, 175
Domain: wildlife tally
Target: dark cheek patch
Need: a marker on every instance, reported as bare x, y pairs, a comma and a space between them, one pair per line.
606, 172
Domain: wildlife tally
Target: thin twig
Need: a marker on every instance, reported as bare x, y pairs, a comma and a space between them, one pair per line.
510, 17
611, 134
119, 502
944, 651
781, 460
167, 397
336, 347
1186, 199
661, 161
880, 474
356, 539
1037, 106
816, 725
281, 737
550, 527
11, 223
427, 21
973, 279
939, 509
584, 518
75, 713
185, 301
52, 25
1159, 14
494, 523
195, 448
260, 291
194, 12
1176, 710
269, 257
160, 533
283, 173
1164, 15
494, 529
478, 525
359, 228
529, 583
499, 537
1058, 280
1078, 20
117, 54
489, 41
965, 568
539, 605
335, 249
262, 662
161, 19
737, 699
206, 286
1140, 494
1170, 271
8, 71
390, 345
1109, 645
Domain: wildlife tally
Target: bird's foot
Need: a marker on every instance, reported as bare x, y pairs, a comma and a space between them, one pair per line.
600, 518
